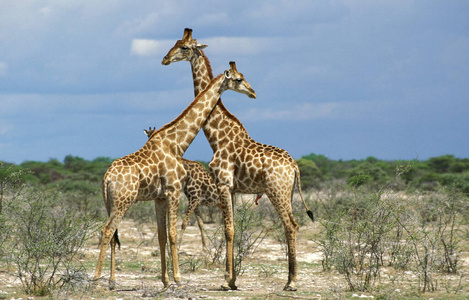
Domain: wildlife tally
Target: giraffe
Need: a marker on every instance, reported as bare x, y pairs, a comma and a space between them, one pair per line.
199, 188
155, 172
241, 164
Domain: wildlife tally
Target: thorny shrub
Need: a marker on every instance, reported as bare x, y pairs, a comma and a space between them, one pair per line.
44, 239
418, 233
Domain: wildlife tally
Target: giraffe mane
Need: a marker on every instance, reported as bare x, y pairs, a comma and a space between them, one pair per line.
207, 63
191, 105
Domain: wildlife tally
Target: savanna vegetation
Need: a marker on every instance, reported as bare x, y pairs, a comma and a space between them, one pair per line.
392, 229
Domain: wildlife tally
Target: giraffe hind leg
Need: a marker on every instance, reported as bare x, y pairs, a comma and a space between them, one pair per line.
161, 212
291, 228
109, 232
106, 236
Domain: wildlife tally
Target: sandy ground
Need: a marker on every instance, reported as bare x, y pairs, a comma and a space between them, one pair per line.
265, 274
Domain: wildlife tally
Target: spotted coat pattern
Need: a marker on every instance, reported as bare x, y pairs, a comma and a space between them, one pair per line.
156, 172
200, 189
241, 164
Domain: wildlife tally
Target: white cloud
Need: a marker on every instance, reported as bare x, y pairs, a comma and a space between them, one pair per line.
218, 46
148, 47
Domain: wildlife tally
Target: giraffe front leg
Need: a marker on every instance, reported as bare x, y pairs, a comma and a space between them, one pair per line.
227, 210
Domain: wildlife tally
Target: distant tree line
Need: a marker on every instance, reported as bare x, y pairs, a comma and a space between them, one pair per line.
317, 171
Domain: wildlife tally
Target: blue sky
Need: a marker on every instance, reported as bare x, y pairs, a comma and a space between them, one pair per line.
347, 79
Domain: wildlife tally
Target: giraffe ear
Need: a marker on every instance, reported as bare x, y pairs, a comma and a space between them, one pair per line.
201, 46
227, 74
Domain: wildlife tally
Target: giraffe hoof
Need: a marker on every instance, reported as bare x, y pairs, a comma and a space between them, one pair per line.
289, 288
112, 285
228, 287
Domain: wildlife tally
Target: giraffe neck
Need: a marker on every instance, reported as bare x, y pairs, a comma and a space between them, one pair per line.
202, 75
181, 131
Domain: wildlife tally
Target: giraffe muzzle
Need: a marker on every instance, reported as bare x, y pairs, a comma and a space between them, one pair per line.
166, 61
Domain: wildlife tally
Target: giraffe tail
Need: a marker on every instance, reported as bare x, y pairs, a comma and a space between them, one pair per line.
298, 185
108, 203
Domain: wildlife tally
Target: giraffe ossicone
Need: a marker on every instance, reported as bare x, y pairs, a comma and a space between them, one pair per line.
155, 172
241, 164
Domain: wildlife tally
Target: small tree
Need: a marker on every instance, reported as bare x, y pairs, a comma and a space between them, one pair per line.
247, 237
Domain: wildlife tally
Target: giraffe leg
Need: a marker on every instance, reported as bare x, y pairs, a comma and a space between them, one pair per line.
291, 228
173, 206
291, 233
161, 212
107, 234
102, 253
112, 278
200, 222
227, 211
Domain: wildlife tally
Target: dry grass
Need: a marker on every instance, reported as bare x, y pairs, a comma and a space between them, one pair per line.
138, 272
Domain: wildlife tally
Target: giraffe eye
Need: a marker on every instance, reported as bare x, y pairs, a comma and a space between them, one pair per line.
185, 48
238, 80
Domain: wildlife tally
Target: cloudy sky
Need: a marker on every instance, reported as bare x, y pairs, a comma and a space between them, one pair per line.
347, 79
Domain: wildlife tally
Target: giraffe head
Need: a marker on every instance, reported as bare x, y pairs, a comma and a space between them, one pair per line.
184, 49
235, 81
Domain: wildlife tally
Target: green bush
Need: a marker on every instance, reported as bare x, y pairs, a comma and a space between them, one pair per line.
367, 173
309, 173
